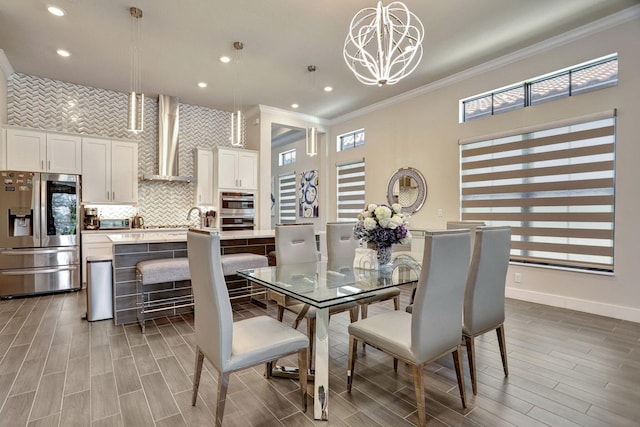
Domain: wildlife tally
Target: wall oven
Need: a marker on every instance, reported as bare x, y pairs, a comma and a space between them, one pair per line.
237, 211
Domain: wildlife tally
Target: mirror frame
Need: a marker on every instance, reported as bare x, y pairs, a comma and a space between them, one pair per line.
422, 188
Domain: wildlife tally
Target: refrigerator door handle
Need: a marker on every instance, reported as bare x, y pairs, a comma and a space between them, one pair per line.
36, 251
38, 271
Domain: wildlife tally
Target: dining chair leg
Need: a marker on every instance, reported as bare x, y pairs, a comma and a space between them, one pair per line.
503, 348
280, 312
353, 314
457, 361
364, 312
471, 355
302, 375
396, 303
395, 364
353, 348
311, 333
223, 385
418, 385
268, 369
196, 375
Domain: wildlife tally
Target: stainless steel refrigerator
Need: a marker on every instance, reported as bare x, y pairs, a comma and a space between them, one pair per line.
39, 233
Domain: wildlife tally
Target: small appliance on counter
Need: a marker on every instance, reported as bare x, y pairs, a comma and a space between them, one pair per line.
115, 224
91, 221
137, 221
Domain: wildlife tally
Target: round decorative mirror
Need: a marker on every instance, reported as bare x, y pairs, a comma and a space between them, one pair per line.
408, 188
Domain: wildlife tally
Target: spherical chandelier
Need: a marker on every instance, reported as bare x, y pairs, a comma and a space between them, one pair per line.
384, 44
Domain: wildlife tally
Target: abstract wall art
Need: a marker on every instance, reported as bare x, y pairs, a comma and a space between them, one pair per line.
308, 194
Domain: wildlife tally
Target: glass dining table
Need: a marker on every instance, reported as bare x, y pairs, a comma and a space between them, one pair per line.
323, 285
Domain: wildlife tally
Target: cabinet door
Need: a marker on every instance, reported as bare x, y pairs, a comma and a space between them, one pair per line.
204, 176
248, 170
26, 150
64, 154
227, 168
96, 170
124, 172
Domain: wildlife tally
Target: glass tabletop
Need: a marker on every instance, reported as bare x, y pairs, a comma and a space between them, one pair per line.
322, 284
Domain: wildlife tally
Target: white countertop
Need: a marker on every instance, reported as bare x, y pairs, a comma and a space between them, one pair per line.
180, 235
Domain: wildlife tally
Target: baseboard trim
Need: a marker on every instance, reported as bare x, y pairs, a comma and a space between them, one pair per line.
616, 311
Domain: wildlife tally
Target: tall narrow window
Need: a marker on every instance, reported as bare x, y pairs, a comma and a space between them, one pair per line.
350, 190
287, 198
553, 185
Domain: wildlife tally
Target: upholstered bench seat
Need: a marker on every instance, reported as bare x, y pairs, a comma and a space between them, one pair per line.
164, 270
231, 263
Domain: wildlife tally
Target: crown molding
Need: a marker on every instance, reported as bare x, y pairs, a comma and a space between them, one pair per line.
292, 115
5, 65
591, 28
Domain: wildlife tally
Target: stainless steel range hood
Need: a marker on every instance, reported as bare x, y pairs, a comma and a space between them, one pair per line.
168, 126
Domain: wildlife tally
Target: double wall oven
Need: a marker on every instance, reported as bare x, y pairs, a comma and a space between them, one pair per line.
237, 211
39, 250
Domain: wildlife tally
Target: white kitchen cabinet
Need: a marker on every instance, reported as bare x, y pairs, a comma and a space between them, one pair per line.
203, 162
109, 171
236, 169
94, 245
39, 151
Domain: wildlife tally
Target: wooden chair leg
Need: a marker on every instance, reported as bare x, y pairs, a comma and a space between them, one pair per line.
280, 312
196, 375
311, 333
418, 385
457, 361
353, 348
395, 364
396, 303
503, 349
364, 312
471, 355
302, 375
268, 370
353, 314
223, 386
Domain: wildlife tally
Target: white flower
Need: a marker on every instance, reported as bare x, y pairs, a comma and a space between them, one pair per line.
366, 214
406, 238
369, 224
397, 207
382, 212
360, 216
372, 207
397, 220
385, 222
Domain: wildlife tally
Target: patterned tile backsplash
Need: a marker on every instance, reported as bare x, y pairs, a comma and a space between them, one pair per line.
43, 103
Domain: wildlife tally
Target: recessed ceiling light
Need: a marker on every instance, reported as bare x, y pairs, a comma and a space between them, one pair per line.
225, 59
54, 10
294, 105
63, 53
202, 84
328, 88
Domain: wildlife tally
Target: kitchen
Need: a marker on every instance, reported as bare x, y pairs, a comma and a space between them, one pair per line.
423, 123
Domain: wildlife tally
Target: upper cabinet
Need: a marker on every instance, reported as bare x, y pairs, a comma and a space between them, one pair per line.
236, 169
109, 171
38, 151
203, 162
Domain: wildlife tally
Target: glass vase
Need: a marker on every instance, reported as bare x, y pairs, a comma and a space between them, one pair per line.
383, 253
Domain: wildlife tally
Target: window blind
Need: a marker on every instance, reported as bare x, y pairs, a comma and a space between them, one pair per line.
287, 198
554, 186
350, 190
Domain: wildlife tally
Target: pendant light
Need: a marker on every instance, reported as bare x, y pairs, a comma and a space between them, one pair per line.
135, 116
312, 131
384, 44
237, 117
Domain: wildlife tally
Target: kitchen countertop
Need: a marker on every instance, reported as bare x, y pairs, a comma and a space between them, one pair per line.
180, 235
135, 230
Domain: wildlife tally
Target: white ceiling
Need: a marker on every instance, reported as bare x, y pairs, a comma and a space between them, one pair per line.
182, 40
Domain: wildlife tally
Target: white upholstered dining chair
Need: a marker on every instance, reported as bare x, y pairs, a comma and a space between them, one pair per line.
432, 330
296, 243
484, 295
231, 346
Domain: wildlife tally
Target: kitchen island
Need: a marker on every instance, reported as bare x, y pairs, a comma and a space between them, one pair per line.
131, 248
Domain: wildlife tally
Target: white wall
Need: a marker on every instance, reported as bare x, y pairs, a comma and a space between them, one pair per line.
423, 132
4, 75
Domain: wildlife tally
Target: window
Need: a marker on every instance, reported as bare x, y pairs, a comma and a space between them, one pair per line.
553, 186
287, 157
596, 74
287, 198
351, 140
350, 190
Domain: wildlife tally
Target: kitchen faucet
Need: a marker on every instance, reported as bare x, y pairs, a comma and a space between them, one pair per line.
199, 215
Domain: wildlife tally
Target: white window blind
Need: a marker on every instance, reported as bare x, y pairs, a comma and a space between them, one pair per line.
350, 190
553, 186
287, 198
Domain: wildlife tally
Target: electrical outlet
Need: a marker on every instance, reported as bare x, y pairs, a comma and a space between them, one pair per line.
518, 278
440, 212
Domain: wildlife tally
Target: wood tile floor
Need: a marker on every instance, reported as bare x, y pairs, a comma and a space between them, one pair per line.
566, 369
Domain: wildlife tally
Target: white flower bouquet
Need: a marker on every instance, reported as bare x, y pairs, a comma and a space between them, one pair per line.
382, 225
